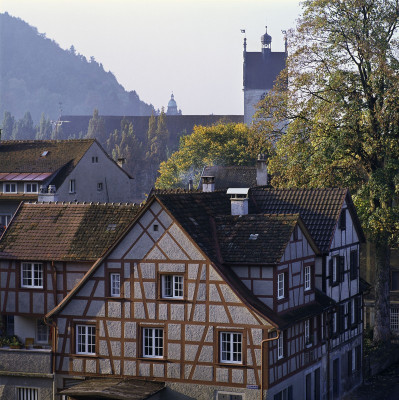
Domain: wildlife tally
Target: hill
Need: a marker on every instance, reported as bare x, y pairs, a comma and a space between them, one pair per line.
36, 75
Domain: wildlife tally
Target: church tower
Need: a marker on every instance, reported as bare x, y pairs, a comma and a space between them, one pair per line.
260, 70
172, 107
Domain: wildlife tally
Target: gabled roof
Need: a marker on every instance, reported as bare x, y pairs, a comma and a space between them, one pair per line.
254, 239
64, 231
319, 209
233, 176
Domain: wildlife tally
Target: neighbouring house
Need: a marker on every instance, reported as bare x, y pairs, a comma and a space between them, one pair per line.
240, 294
45, 251
63, 170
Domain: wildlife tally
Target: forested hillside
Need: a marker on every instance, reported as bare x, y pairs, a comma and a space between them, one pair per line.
36, 75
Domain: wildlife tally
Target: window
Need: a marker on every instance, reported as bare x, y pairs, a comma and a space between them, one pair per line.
354, 263
99, 186
317, 391
9, 187
335, 324
280, 346
115, 285
24, 393
42, 331
30, 187
336, 377
295, 233
307, 332
342, 220
345, 316
231, 347
72, 186
94, 159
85, 339
153, 342
229, 396
172, 286
8, 325
395, 280
4, 221
336, 267
394, 319
155, 227
308, 275
308, 386
32, 275
285, 394
280, 286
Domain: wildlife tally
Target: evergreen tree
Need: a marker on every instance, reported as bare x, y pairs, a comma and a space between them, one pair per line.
44, 130
96, 128
8, 125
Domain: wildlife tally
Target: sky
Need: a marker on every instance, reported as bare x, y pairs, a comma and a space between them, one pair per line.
192, 48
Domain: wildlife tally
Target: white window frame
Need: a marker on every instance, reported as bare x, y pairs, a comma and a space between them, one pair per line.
353, 355
353, 311
115, 284
72, 186
394, 319
308, 277
26, 393
172, 286
85, 339
335, 323
153, 342
42, 332
10, 184
280, 286
26, 186
335, 269
232, 395
346, 312
280, 346
230, 347
32, 275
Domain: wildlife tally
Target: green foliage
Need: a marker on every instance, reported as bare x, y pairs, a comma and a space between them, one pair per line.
341, 104
222, 144
44, 129
96, 127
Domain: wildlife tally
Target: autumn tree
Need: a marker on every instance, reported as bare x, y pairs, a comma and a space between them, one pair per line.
333, 118
222, 144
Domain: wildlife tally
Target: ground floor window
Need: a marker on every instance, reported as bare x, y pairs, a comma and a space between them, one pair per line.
229, 396
153, 342
336, 378
24, 393
395, 319
285, 394
42, 332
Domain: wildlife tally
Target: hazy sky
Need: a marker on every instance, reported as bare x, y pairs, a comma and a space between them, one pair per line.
190, 47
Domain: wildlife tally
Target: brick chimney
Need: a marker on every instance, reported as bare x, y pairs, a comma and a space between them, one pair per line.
208, 183
261, 171
239, 200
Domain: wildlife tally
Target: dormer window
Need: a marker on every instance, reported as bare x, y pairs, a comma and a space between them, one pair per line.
31, 188
9, 187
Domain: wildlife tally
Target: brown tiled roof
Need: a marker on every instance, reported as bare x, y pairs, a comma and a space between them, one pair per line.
56, 231
254, 239
232, 177
25, 156
319, 209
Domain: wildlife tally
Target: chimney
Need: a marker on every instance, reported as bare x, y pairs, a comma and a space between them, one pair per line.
239, 200
121, 161
47, 194
208, 183
190, 184
261, 171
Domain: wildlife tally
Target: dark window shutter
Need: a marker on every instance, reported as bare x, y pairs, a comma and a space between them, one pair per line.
341, 315
358, 305
342, 220
286, 285
341, 268
350, 362
358, 358
289, 397
353, 264
330, 270
350, 313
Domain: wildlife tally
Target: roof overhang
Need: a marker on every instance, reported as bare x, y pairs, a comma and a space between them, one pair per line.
24, 176
115, 389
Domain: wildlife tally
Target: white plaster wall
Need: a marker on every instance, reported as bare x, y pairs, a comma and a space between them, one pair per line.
117, 187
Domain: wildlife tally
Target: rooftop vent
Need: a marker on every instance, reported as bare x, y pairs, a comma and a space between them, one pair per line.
239, 200
208, 183
253, 236
111, 227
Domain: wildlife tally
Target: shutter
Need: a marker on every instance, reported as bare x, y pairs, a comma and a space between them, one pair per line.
358, 358
341, 268
359, 309
341, 315
330, 270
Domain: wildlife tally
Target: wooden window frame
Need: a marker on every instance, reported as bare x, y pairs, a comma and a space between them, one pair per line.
111, 287
75, 337
160, 290
142, 343
231, 351
32, 278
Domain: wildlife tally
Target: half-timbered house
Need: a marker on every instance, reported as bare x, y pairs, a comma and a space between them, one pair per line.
241, 295
45, 251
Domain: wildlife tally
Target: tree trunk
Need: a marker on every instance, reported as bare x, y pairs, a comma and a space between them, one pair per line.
382, 331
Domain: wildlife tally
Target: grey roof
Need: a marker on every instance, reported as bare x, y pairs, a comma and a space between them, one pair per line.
233, 176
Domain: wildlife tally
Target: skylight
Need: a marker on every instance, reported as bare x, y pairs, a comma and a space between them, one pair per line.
253, 236
44, 154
